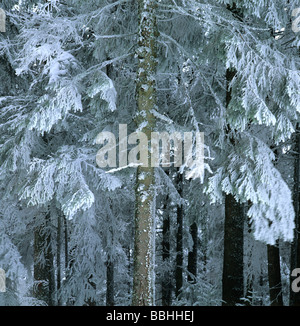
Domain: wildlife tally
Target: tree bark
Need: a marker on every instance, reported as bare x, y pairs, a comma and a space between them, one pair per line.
193, 255
250, 277
144, 246
233, 278
274, 275
58, 258
44, 279
166, 280
179, 236
110, 300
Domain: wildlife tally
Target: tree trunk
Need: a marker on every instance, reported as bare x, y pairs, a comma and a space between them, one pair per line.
274, 275
193, 255
179, 247
295, 247
40, 288
44, 280
58, 259
144, 246
66, 240
110, 283
233, 278
166, 280
250, 277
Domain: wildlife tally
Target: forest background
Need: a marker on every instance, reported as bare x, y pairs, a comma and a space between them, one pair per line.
73, 234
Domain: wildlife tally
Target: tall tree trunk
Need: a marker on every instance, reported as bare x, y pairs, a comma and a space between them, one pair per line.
295, 247
193, 255
274, 275
179, 237
110, 281
250, 277
166, 280
66, 240
58, 258
66, 255
233, 269
144, 246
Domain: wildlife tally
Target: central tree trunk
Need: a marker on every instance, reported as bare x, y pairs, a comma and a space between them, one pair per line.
144, 246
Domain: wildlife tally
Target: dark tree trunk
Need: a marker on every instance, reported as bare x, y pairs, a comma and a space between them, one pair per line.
250, 277
274, 275
58, 258
233, 278
233, 274
295, 247
40, 288
193, 255
66, 238
51, 271
44, 279
110, 296
179, 247
110, 281
166, 280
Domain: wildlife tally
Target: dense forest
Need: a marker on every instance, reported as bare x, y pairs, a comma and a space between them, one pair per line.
216, 229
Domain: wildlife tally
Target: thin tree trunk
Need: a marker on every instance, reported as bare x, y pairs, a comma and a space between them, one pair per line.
179, 237
144, 246
295, 247
274, 275
250, 277
193, 255
110, 301
58, 259
51, 271
66, 238
166, 281
110, 278
110, 281
68, 262
40, 274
